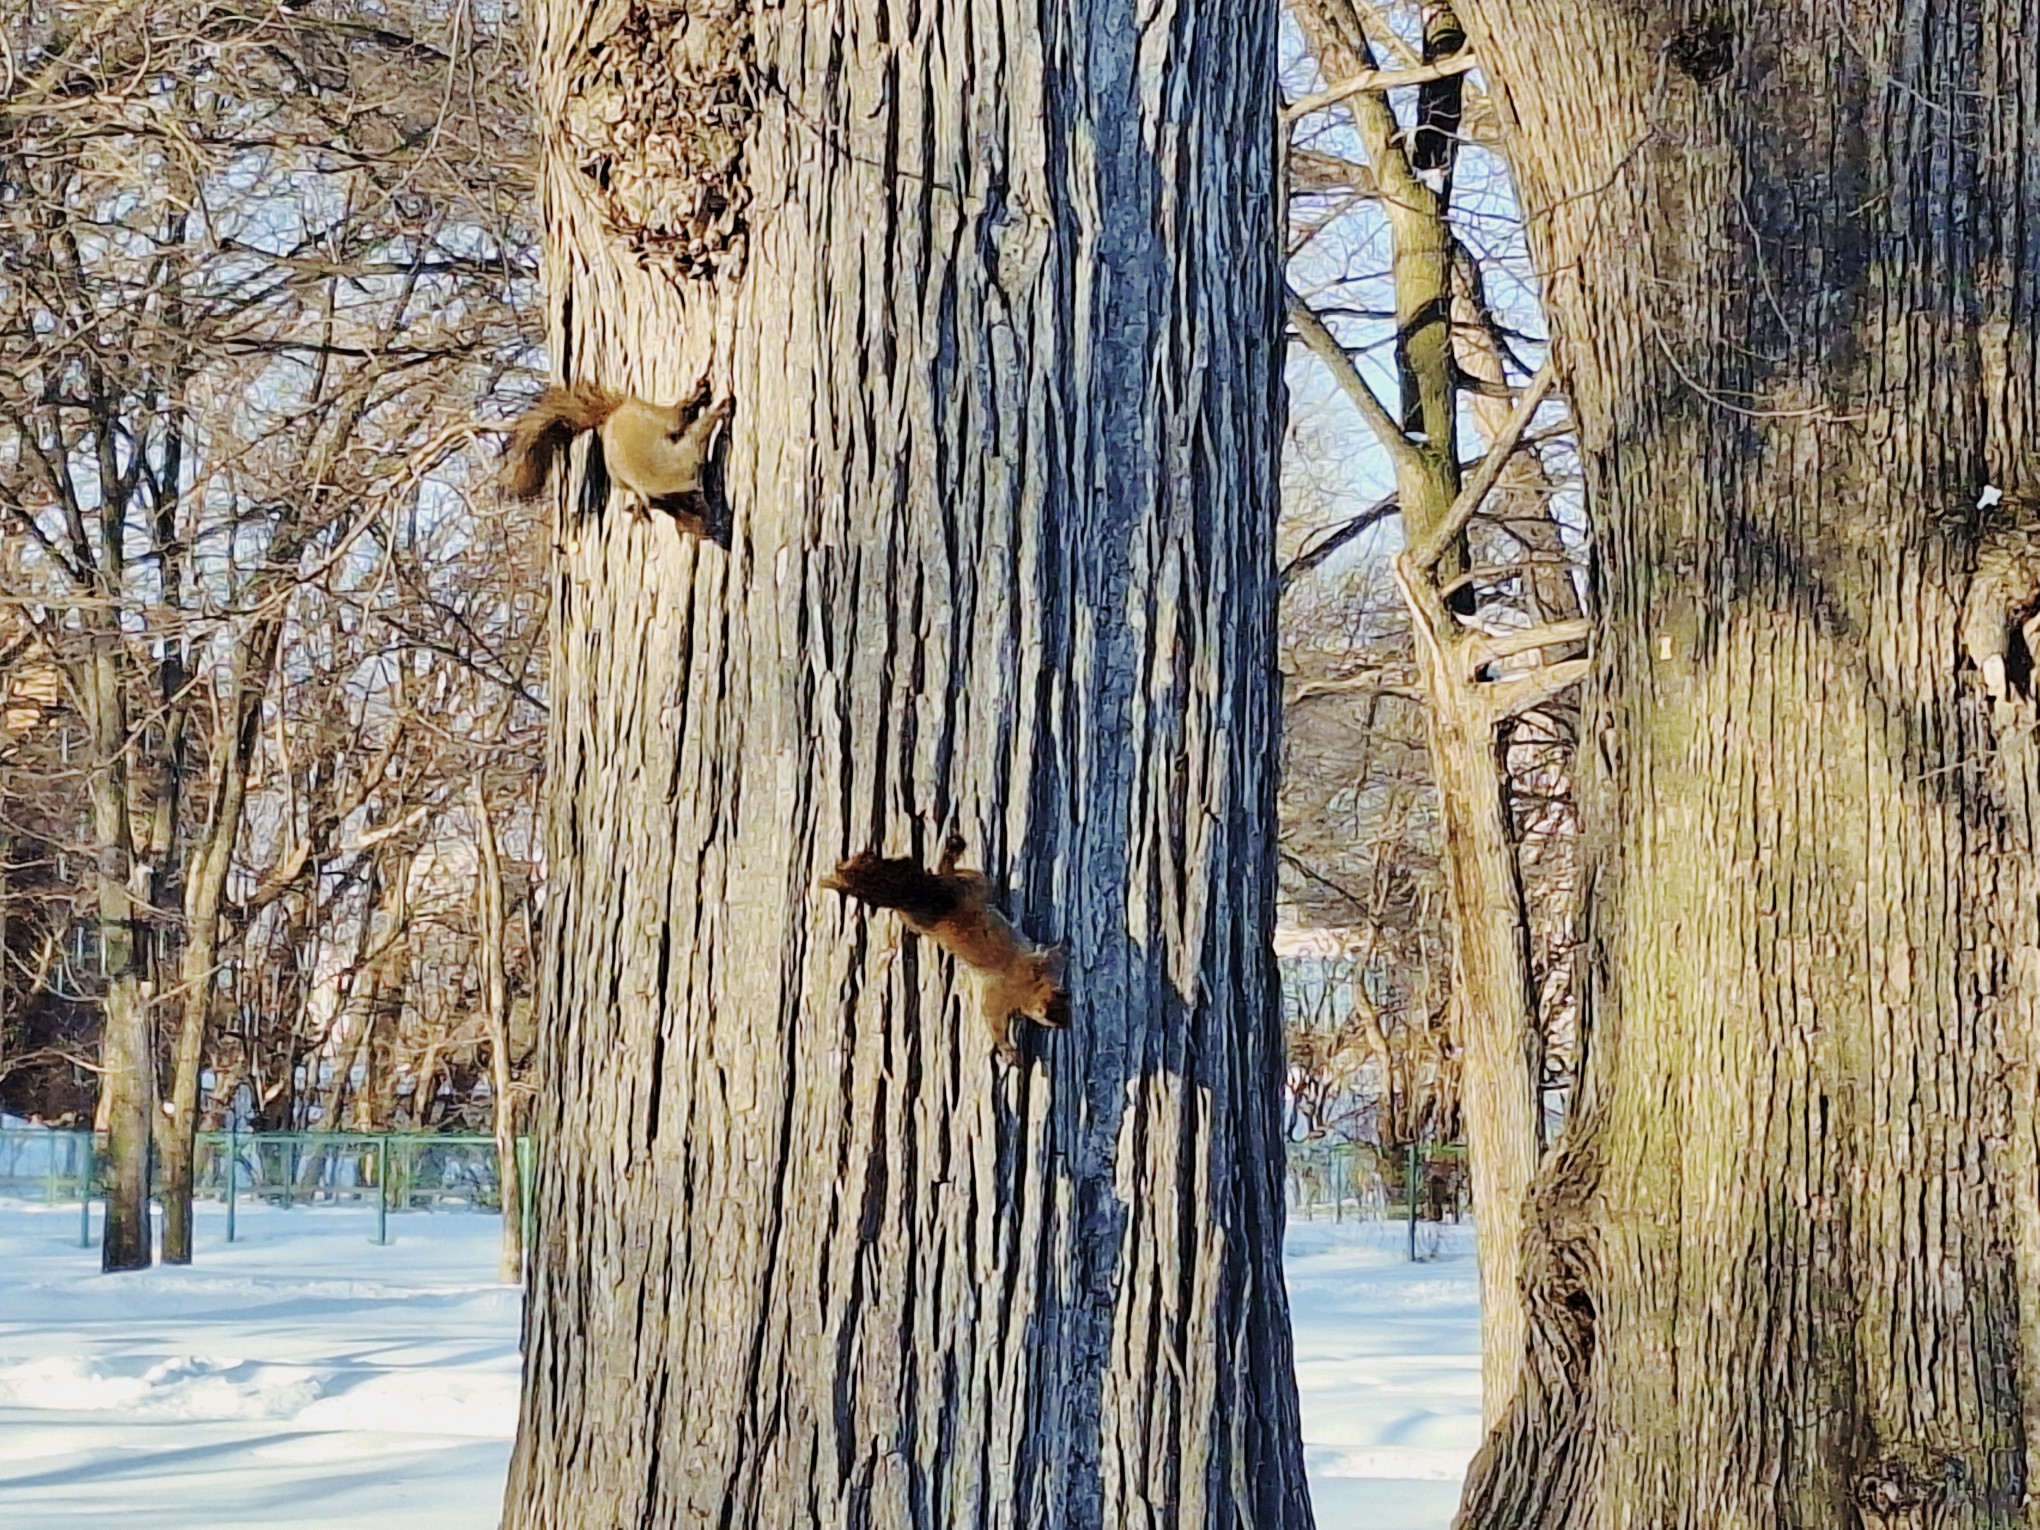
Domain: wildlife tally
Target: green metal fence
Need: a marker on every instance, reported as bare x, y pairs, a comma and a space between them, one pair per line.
388, 1171
1338, 1180
1335, 1181
408, 1171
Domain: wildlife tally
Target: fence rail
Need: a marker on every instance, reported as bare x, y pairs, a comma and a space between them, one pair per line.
391, 1171
1337, 1180
407, 1171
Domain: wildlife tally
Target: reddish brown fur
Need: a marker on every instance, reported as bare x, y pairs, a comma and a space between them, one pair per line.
954, 909
548, 428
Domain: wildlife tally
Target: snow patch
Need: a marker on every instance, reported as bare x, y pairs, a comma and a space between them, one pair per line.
483, 1406
183, 1386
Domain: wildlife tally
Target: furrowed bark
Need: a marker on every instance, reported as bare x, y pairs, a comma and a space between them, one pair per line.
1782, 1268
996, 290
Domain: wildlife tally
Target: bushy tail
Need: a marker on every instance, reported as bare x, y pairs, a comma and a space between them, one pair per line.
902, 883
544, 431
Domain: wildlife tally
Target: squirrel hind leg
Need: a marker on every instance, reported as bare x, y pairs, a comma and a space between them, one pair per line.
695, 402
1055, 1013
1003, 1041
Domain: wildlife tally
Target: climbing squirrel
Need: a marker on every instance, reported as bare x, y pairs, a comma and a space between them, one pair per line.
657, 452
954, 909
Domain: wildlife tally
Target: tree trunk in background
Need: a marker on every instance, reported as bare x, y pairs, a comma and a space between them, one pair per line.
422, 1097
127, 1051
1524, 496
496, 1004
6, 910
205, 890
1494, 1002
381, 961
996, 289
1784, 1268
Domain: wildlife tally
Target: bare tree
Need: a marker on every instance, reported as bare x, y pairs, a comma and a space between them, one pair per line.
1362, 865
1474, 674
264, 262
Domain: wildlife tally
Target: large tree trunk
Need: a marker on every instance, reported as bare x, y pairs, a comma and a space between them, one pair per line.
1002, 334
1785, 1267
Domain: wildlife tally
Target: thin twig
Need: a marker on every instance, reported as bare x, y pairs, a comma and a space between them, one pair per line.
1350, 685
1339, 536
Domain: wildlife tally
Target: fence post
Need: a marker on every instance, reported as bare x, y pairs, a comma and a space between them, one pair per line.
1410, 1196
526, 1155
233, 1167
50, 1180
85, 1193
382, 1190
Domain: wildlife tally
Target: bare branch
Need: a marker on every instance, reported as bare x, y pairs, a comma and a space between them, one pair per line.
1326, 347
1425, 552
1339, 536
1349, 685
1480, 649
1498, 573
1526, 693
1378, 80
1313, 172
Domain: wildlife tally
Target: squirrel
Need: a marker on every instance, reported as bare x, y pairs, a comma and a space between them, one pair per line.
955, 909
657, 452
2003, 600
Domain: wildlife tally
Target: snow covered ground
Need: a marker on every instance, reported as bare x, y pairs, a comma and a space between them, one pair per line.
301, 1377
1388, 1369
304, 1377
